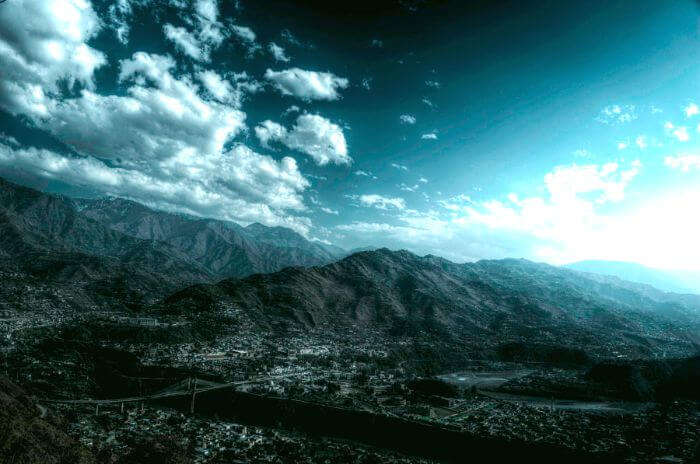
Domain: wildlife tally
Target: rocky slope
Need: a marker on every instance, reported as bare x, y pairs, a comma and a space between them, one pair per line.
61, 253
32, 434
474, 305
224, 249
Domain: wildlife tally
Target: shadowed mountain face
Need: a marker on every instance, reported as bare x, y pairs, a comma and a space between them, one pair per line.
58, 252
224, 249
669, 281
473, 305
32, 434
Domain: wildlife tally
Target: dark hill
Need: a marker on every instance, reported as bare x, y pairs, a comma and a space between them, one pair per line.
475, 305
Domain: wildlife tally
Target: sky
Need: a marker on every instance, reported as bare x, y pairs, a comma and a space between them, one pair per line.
553, 131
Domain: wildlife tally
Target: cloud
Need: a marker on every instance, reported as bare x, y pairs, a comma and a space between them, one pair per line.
365, 174
42, 43
209, 33
683, 162
244, 33
617, 114
680, 133
691, 110
162, 139
429, 136
407, 119
423, 180
400, 167
428, 103
433, 84
312, 134
307, 85
277, 52
329, 210
366, 83
119, 15
186, 42
564, 224
376, 43
236, 185
380, 202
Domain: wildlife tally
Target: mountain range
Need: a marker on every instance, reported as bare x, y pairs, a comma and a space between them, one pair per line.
114, 254
89, 254
472, 306
669, 281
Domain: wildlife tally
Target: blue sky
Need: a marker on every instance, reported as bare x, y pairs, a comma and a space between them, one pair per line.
467, 130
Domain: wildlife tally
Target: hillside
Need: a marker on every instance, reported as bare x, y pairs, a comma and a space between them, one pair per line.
224, 249
62, 253
475, 305
32, 434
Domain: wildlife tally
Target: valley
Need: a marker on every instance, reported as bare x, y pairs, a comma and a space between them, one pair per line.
499, 357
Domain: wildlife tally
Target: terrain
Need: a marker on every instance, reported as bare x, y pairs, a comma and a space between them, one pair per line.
108, 308
471, 307
112, 254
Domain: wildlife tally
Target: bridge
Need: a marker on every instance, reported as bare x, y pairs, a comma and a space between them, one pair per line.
185, 387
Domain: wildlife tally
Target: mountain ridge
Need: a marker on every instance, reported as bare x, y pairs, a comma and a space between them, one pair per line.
477, 304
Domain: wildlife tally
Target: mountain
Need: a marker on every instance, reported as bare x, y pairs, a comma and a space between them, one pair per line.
669, 281
52, 256
468, 307
62, 253
31, 434
224, 249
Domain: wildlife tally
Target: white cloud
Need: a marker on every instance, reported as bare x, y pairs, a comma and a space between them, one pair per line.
207, 10
186, 42
691, 110
681, 133
433, 84
277, 52
217, 87
329, 210
400, 167
381, 202
42, 43
683, 162
236, 185
423, 180
622, 145
429, 136
617, 114
166, 138
312, 134
209, 33
360, 172
366, 83
377, 43
119, 15
244, 33
307, 85
407, 119
428, 103
563, 225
